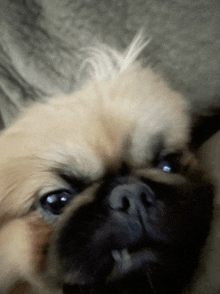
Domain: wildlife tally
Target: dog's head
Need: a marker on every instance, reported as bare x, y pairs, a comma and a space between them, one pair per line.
100, 193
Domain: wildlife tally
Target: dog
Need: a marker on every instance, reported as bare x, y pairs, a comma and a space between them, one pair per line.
100, 190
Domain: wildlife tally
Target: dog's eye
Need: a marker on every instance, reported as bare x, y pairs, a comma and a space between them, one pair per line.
169, 164
54, 202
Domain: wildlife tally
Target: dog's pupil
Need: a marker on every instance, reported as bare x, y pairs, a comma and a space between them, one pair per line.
169, 164
56, 201
165, 166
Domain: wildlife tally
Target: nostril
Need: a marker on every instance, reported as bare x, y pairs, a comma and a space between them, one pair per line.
146, 199
125, 204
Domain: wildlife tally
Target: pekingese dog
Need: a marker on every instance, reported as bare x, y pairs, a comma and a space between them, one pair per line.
99, 190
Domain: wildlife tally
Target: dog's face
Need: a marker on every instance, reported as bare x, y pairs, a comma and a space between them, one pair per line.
99, 191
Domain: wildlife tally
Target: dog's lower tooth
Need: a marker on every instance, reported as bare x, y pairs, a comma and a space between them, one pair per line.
121, 255
125, 254
116, 254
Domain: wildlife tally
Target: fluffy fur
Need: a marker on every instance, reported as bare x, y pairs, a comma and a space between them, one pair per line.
130, 117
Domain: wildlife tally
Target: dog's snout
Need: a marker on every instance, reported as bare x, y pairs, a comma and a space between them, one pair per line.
130, 197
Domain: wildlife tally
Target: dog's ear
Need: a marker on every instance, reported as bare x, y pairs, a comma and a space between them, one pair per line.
203, 127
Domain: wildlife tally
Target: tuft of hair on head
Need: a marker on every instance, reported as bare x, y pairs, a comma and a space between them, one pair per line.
104, 61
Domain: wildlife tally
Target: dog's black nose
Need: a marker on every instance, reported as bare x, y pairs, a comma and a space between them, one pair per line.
131, 198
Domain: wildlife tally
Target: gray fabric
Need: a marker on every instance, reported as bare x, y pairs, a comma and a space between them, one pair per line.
41, 41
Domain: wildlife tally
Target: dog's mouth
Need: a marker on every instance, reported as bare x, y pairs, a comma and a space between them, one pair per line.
130, 272
133, 272
127, 264
117, 257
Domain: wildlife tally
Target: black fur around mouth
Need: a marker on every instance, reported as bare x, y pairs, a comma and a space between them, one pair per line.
131, 273
127, 243
139, 285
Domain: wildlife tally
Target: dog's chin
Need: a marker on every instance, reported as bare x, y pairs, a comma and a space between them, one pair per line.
126, 273
118, 267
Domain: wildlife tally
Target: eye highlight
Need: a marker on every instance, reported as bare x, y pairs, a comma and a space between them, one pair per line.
164, 166
169, 163
55, 201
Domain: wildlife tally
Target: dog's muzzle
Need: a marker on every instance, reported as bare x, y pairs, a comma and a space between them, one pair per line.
132, 235
110, 239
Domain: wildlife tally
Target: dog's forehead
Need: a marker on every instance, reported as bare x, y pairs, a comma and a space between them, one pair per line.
95, 129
